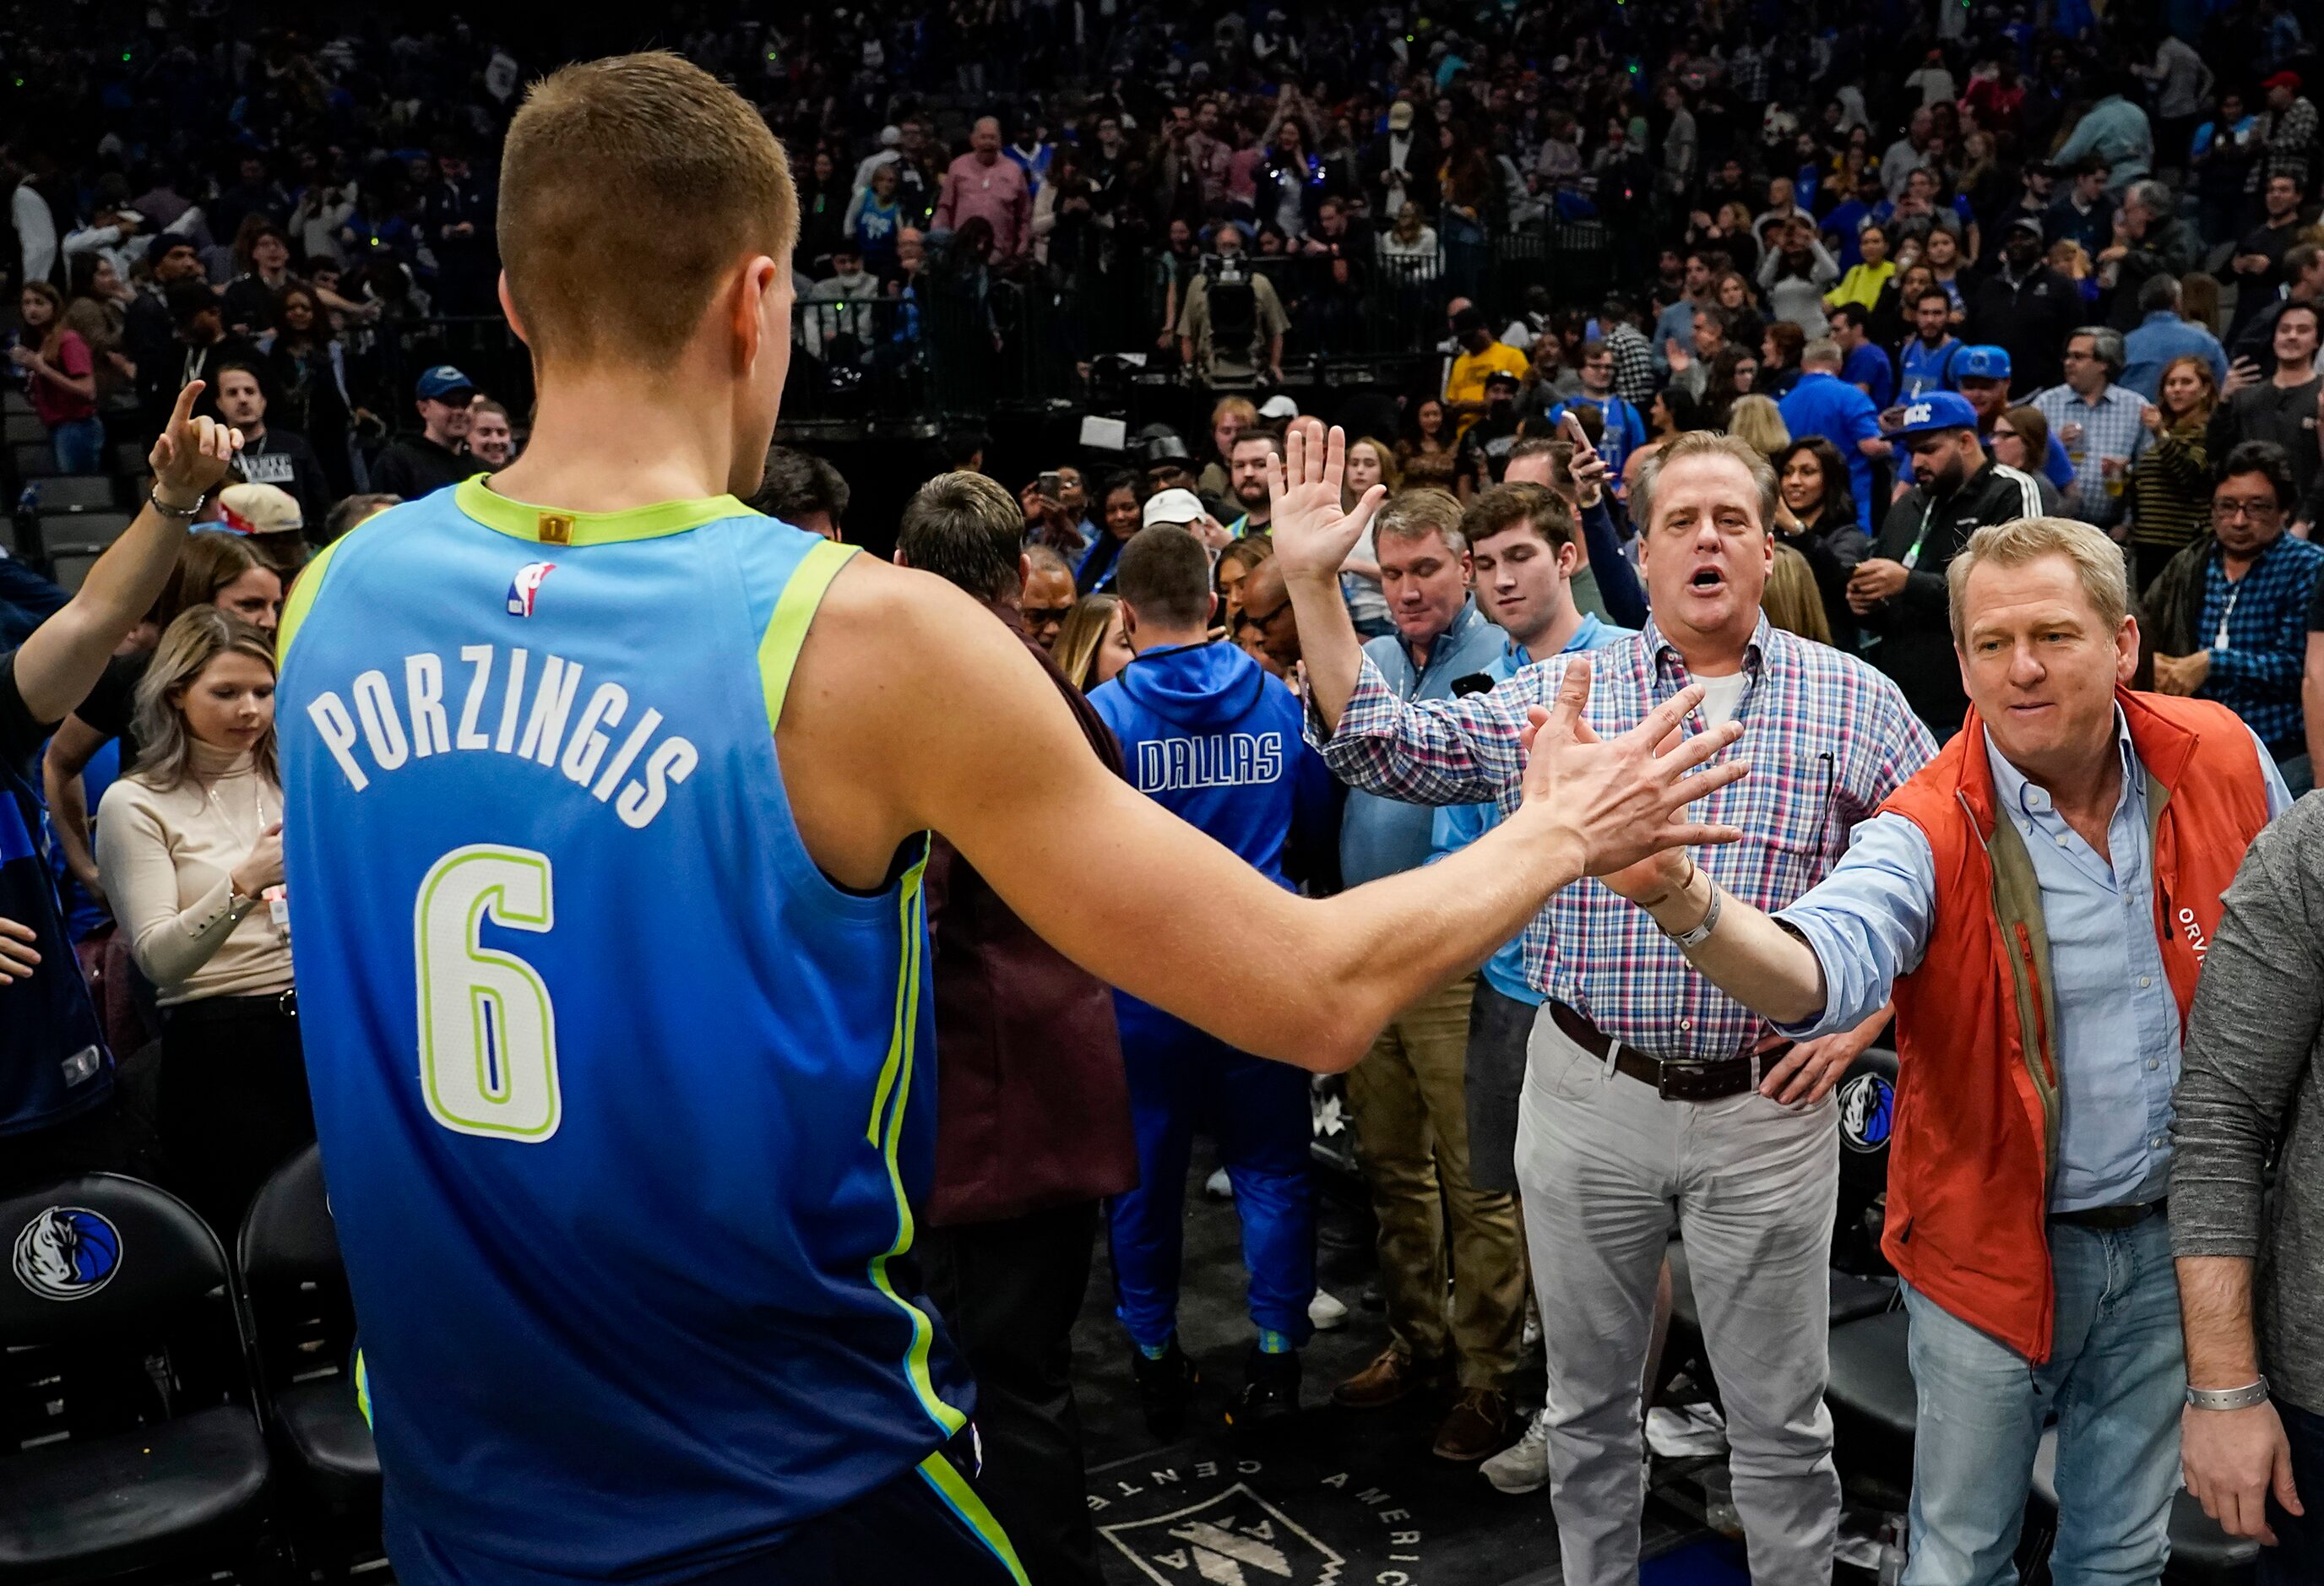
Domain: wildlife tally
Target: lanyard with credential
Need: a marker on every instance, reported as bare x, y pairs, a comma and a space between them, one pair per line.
1912, 558
2235, 592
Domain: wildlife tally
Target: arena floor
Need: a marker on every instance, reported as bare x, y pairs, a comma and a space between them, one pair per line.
1331, 1496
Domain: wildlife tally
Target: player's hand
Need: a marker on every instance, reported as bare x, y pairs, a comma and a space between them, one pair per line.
1622, 799
2232, 1459
18, 957
191, 455
1313, 533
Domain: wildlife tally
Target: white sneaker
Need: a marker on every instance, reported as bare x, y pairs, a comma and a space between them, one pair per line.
1524, 1465
1218, 1187
1326, 1313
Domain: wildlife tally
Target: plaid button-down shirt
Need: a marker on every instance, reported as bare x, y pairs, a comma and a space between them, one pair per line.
1826, 736
2110, 428
2256, 629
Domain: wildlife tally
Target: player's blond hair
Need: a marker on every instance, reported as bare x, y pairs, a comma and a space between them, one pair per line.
630, 187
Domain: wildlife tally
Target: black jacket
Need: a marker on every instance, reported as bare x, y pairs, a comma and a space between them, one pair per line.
415, 466
1914, 629
2030, 320
283, 457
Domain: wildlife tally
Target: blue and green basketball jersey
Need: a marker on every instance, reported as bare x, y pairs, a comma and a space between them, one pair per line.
624, 1105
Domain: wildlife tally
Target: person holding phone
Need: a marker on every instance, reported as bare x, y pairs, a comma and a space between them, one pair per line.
191, 846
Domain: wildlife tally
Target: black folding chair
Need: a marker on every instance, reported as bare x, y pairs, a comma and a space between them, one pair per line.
303, 1324
138, 1445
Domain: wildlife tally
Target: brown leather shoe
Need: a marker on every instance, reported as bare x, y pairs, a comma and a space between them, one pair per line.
1476, 1426
1392, 1376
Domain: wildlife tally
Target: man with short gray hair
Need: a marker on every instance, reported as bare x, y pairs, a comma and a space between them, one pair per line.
1652, 1100
2097, 423
2034, 902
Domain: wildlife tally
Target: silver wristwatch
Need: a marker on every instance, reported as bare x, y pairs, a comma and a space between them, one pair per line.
2229, 1398
1701, 933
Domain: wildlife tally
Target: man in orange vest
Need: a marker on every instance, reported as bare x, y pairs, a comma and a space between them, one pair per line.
2037, 900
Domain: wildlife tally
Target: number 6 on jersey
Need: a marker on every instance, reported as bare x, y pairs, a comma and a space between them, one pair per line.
487, 1030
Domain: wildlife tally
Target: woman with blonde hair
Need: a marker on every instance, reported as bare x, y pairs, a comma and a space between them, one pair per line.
1758, 421
2171, 482
224, 571
1091, 648
190, 844
1791, 599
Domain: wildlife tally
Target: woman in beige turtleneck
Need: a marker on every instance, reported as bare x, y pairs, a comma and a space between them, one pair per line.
190, 844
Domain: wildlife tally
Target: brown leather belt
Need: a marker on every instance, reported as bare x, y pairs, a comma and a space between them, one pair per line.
1710, 1080
2113, 1217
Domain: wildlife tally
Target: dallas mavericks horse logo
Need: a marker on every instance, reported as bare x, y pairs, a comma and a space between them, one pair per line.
1865, 1103
526, 586
67, 1253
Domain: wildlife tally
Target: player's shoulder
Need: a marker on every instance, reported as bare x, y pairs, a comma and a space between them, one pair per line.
884, 622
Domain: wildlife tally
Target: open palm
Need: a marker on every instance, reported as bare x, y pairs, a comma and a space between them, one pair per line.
1313, 530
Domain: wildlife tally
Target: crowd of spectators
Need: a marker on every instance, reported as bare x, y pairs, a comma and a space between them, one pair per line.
1937, 270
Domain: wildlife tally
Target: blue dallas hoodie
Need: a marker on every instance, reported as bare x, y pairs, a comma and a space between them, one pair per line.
1209, 735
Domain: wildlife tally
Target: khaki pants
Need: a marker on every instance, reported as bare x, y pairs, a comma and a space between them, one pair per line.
1411, 1117
1607, 1167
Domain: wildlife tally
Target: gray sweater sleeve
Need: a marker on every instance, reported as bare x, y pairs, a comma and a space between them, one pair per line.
2250, 1037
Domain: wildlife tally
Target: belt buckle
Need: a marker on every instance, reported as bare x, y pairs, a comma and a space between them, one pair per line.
286, 1003
1688, 1078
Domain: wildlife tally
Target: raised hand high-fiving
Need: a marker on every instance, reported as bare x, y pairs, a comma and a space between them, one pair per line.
1623, 801
1313, 529
191, 454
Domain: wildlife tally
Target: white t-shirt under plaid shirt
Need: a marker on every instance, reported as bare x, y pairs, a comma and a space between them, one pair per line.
1828, 739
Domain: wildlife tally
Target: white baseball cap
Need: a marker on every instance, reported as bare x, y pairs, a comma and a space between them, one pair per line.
1279, 406
1182, 507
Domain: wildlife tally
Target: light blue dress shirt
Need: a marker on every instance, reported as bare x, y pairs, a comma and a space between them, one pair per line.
1382, 836
2118, 1029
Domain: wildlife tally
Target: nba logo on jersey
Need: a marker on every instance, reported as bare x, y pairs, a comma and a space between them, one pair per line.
525, 588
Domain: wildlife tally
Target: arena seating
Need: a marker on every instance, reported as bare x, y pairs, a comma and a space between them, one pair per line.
61, 523
150, 1455
302, 1324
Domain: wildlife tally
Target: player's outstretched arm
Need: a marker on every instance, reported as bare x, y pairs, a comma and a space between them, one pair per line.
911, 708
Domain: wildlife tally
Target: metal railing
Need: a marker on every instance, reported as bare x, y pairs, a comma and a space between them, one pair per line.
967, 345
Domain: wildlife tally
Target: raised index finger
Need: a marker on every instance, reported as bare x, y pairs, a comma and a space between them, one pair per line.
187, 395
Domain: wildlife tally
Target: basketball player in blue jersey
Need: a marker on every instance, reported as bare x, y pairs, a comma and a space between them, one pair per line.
609, 932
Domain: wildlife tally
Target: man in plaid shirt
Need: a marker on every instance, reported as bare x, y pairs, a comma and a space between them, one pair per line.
1647, 1089
2243, 603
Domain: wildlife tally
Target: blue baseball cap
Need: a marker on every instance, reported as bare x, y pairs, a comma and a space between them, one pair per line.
1981, 363
1936, 410
441, 381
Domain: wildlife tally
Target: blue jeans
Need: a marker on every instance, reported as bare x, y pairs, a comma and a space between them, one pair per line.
2297, 1559
1257, 1112
79, 447
2117, 1378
